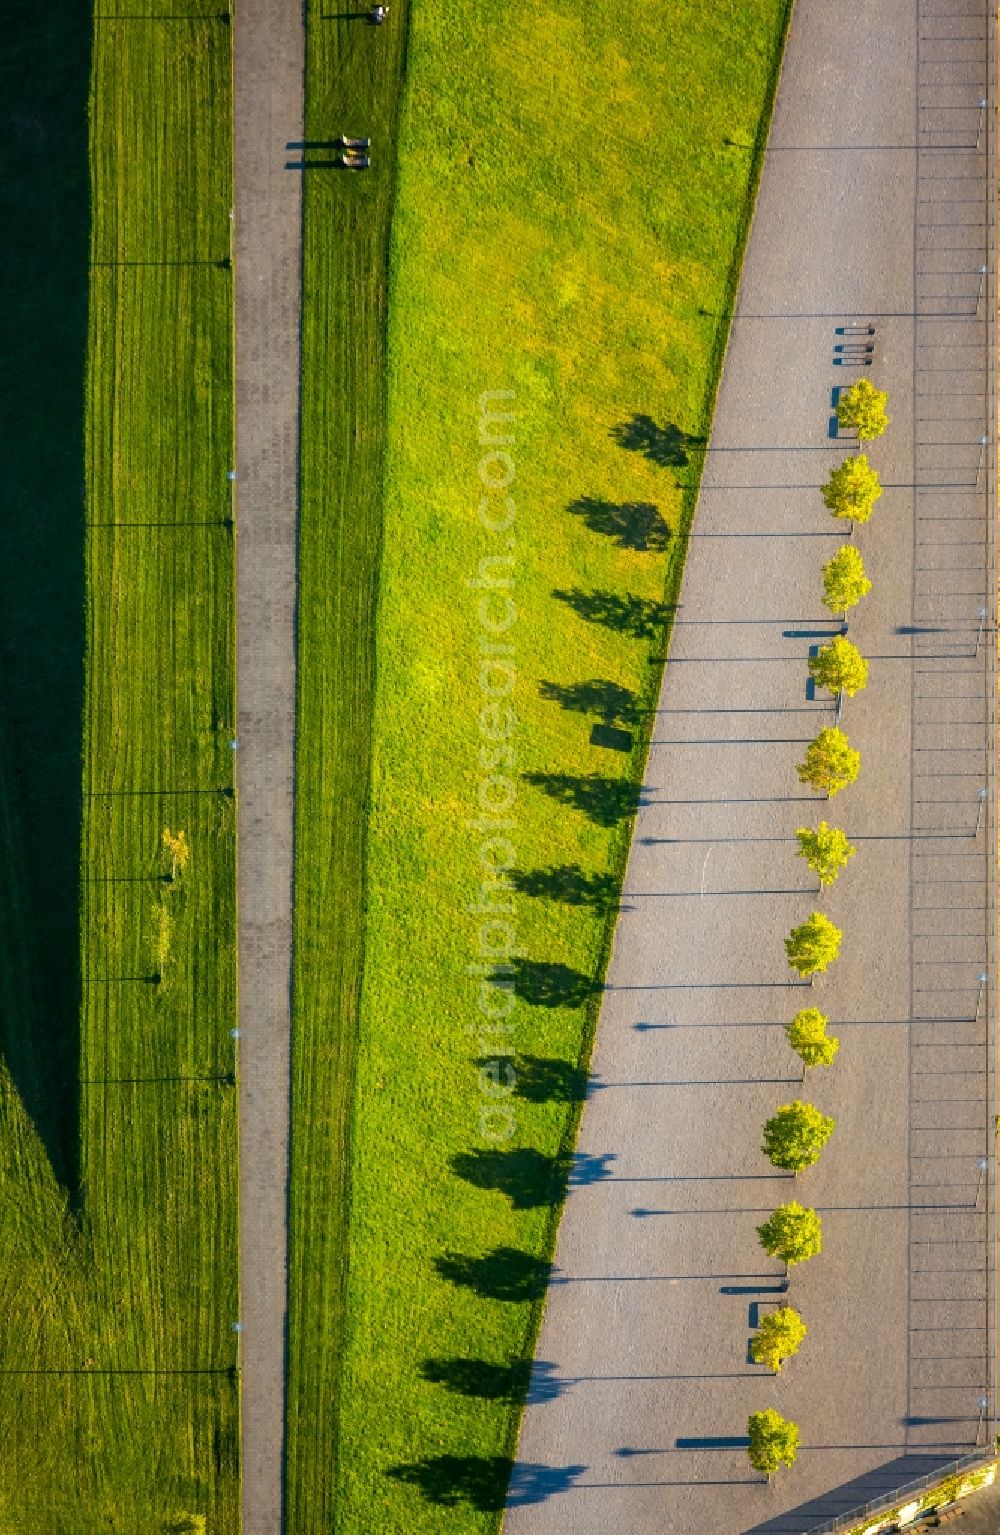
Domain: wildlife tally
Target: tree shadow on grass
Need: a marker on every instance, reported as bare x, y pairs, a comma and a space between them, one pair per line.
667, 446
505, 1274
603, 800
45, 199
609, 701
481, 1481
546, 983
497, 1382
640, 617
569, 884
546, 1079
531, 1179
451, 1481
632, 524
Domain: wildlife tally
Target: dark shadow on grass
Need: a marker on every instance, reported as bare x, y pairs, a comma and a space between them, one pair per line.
546, 983
530, 1179
456, 1481
640, 617
542, 1078
479, 1377
481, 1481
45, 211
505, 1274
546, 1079
569, 884
609, 701
497, 1382
603, 800
667, 446
610, 738
631, 524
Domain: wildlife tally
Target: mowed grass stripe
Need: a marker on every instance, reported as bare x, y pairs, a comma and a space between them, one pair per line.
120, 1405
574, 192
161, 602
353, 72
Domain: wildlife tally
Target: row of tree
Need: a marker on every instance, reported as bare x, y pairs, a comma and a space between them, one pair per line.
795, 1135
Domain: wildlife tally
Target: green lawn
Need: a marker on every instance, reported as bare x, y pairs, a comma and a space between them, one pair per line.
572, 196
352, 77
118, 1203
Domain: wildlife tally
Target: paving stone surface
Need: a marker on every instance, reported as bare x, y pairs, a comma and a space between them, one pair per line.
873, 223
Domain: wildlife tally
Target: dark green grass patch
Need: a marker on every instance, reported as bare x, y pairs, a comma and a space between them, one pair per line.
353, 74
44, 211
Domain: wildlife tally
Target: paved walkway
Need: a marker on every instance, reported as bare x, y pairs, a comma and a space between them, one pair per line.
269, 43
872, 227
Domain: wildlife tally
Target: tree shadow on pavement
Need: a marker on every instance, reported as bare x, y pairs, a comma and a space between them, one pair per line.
715, 1442
603, 800
506, 1274
634, 525
531, 1483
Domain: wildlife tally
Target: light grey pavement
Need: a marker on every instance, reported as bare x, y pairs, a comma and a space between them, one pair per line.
268, 64
874, 211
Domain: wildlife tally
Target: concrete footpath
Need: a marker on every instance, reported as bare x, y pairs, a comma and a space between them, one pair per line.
873, 226
268, 63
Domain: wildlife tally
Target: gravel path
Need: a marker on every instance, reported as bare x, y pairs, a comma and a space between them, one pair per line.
269, 50
873, 222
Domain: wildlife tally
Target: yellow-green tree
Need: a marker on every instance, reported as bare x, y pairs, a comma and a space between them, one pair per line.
831, 763
793, 1233
813, 945
862, 409
774, 1441
844, 580
852, 490
778, 1337
176, 844
795, 1135
839, 667
808, 1038
825, 849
